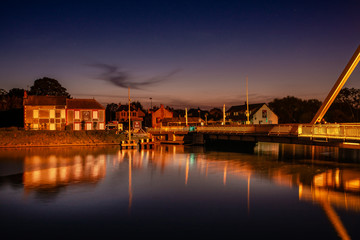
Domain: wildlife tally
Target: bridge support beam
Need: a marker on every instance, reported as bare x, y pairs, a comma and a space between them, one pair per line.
337, 87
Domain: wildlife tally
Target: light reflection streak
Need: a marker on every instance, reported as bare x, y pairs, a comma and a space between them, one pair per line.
335, 220
248, 193
187, 169
130, 183
224, 180
51, 172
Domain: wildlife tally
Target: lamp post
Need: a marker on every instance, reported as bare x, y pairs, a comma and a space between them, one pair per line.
247, 113
150, 103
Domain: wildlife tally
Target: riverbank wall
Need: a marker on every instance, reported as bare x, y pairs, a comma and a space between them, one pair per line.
21, 138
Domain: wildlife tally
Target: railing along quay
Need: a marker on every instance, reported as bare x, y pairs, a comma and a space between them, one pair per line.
343, 131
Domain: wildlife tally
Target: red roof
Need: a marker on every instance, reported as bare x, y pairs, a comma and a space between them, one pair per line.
45, 100
83, 104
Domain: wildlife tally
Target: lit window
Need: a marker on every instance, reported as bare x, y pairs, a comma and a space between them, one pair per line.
52, 113
95, 114
62, 113
88, 126
77, 114
35, 113
52, 126
101, 126
35, 126
77, 126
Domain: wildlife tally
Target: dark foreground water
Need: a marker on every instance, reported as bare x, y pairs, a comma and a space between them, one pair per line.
278, 191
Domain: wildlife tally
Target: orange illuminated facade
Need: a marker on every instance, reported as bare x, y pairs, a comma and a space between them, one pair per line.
159, 115
59, 113
44, 112
85, 114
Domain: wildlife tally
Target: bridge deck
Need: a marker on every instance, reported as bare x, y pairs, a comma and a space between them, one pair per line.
342, 135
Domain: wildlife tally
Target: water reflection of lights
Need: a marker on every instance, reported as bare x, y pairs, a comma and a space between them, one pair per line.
329, 188
50, 172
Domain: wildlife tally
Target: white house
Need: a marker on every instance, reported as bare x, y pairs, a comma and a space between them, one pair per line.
259, 114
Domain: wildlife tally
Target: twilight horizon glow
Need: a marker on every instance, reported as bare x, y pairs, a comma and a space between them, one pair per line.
180, 53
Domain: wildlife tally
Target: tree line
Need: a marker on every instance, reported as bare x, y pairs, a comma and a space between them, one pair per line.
345, 108
11, 102
290, 109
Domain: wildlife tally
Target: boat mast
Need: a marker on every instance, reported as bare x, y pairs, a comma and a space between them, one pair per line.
129, 115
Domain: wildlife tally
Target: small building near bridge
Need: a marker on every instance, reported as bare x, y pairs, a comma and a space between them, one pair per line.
159, 115
258, 114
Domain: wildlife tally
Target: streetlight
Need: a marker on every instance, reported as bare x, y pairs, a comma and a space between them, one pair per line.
150, 103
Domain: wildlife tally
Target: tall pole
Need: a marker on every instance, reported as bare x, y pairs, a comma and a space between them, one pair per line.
224, 115
129, 115
186, 117
247, 103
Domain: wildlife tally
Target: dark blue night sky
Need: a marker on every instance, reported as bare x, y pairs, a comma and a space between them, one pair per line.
180, 53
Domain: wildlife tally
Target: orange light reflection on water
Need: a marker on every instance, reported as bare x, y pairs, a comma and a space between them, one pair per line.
49, 172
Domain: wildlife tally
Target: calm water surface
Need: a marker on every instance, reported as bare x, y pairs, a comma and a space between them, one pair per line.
278, 191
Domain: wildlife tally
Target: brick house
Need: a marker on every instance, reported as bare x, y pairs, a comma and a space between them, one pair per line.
136, 116
44, 112
85, 114
158, 116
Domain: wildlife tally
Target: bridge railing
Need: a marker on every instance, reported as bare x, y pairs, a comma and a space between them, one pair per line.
270, 129
284, 129
169, 129
235, 129
336, 131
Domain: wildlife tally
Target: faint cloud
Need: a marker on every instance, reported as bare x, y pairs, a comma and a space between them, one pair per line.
123, 79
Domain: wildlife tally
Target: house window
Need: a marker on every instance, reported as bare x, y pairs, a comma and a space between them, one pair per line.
52, 113
35, 113
101, 126
88, 126
62, 113
77, 114
77, 126
95, 114
52, 126
134, 114
264, 114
